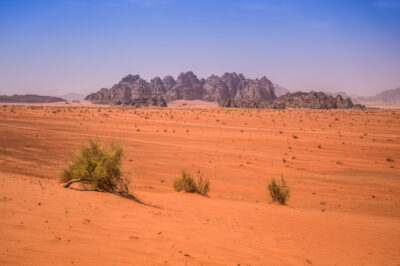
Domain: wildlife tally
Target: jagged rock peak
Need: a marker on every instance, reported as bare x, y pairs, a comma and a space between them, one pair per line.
130, 78
309, 100
233, 75
187, 87
168, 82
187, 77
157, 82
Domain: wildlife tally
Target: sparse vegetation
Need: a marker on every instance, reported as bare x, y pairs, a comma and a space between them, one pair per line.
98, 167
389, 159
187, 183
279, 192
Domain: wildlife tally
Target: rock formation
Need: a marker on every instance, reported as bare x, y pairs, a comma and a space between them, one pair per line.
310, 100
229, 90
103, 96
187, 87
29, 98
385, 97
279, 90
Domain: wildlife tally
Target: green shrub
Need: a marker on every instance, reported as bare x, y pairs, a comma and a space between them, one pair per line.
187, 183
98, 167
279, 191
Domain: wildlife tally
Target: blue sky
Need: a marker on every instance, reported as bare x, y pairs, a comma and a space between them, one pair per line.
59, 46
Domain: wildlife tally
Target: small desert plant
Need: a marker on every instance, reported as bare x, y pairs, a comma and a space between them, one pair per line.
389, 159
98, 167
203, 184
187, 183
279, 192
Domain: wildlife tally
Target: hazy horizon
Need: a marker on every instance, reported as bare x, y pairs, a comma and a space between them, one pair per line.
79, 46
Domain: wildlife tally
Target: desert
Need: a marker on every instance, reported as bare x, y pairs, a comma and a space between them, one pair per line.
342, 167
201, 132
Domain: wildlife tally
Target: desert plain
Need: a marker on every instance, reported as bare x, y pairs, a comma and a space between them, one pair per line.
342, 167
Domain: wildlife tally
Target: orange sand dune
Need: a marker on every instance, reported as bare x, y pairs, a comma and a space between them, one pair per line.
342, 167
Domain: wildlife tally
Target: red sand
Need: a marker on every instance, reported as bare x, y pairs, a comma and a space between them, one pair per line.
344, 208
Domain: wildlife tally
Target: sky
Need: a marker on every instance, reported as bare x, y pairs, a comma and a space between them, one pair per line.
52, 47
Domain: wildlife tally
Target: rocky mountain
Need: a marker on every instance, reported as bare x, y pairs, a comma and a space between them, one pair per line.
29, 98
341, 93
187, 87
279, 90
229, 90
388, 96
310, 100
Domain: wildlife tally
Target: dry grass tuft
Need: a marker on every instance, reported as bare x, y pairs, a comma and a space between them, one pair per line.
279, 192
187, 183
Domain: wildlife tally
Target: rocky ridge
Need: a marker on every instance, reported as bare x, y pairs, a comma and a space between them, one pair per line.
229, 90
388, 96
279, 90
29, 98
307, 100
187, 87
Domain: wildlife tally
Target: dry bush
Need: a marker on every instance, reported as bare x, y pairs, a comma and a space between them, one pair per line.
187, 183
279, 192
98, 167
203, 184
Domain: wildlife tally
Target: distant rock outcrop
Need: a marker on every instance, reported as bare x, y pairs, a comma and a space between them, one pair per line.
314, 100
29, 98
310, 100
279, 90
341, 93
229, 90
103, 96
187, 87
388, 96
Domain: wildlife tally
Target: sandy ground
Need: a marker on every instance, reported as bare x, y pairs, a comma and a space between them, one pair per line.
59, 104
193, 103
342, 168
173, 104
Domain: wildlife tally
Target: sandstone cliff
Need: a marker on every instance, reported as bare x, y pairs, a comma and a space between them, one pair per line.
187, 87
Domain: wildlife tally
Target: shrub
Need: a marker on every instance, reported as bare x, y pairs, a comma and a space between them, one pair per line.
98, 167
187, 183
203, 185
279, 192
